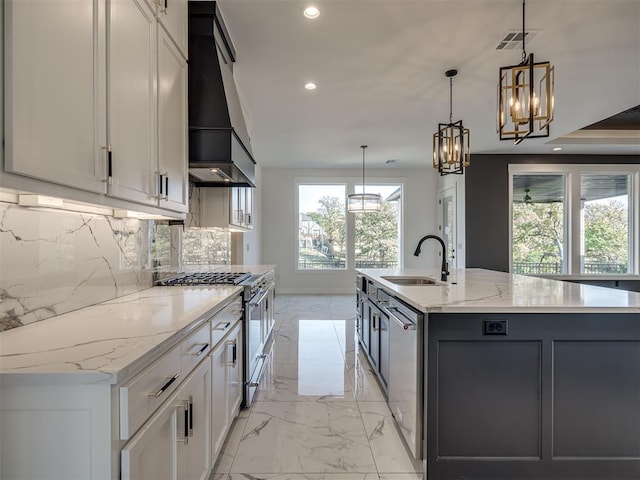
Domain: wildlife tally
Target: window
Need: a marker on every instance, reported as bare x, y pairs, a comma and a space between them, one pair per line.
377, 234
322, 227
574, 219
604, 218
329, 239
538, 224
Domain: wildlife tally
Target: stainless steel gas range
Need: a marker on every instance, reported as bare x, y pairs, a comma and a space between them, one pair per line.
258, 316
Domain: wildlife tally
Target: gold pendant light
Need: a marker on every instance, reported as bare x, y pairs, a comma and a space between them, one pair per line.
451, 150
525, 97
363, 202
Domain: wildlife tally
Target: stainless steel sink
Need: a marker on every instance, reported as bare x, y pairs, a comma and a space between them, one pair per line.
410, 281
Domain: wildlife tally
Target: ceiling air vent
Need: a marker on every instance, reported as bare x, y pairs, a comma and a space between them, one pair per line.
513, 39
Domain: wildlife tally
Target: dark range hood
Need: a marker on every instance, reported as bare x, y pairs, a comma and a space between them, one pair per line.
219, 147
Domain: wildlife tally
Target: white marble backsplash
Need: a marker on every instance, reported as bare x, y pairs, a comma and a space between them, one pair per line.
53, 262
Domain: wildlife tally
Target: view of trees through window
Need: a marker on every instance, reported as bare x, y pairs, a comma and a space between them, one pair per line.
322, 225
605, 224
539, 224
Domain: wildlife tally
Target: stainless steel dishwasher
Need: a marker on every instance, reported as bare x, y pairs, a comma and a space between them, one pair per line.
405, 384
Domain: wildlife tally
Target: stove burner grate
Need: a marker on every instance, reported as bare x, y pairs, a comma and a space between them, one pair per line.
206, 278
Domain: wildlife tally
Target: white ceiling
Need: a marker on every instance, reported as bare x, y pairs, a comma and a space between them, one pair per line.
379, 66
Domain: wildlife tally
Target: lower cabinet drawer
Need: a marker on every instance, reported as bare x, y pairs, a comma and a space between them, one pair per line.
223, 321
194, 349
144, 394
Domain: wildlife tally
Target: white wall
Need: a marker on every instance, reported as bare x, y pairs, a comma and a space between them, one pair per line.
279, 224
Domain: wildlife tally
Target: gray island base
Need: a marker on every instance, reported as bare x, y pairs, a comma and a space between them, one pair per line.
555, 397
523, 377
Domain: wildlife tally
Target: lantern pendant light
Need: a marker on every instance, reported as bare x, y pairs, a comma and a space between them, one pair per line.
525, 97
451, 150
363, 202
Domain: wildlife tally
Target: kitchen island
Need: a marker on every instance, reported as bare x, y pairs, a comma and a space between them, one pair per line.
522, 377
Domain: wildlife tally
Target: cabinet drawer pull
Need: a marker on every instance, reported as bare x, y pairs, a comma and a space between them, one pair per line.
224, 327
165, 386
201, 351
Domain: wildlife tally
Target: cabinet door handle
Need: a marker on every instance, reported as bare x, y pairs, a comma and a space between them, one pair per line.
160, 184
232, 344
166, 186
109, 179
185, 423
190, 429
201, 351
165, 386
373, 322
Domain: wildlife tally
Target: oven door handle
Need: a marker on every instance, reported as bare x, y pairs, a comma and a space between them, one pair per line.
254, 303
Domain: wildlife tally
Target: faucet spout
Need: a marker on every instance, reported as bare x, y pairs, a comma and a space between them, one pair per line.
444, 267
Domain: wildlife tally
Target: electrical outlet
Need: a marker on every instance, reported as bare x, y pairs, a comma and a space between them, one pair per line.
495, 327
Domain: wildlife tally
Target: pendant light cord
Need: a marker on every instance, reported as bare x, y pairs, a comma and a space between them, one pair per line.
363, 147
450, 99
524, 51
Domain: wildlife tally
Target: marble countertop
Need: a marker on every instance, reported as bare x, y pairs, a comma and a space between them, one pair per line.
476, 290
108, 342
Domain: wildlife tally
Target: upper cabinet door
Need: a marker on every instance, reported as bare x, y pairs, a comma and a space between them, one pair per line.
132, 74
172, 124
172, 14
55, 91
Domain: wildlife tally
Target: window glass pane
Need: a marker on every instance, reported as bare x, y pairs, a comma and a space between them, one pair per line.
321, 227
604, 229
538, 224
378, 233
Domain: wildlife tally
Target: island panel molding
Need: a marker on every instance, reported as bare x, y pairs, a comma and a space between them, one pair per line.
558, 397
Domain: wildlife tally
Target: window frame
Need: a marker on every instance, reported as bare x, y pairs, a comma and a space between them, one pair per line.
572, 174
350, 183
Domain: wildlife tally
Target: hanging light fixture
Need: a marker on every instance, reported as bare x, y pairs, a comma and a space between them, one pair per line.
451, 152
363, 202
525, 97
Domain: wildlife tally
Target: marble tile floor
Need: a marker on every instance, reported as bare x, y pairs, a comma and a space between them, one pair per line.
320, 413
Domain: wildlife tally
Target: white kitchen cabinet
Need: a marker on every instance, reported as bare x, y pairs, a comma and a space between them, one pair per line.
146, 417
172, 14
151, 453
227, 386
96, 98
194, 455
174, 443
219, 417
172, 121
132, 66
55, 92
147, 110
233, 348
227, 208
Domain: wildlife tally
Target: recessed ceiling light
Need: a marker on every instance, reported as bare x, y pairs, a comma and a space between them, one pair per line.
311, 12
557, 149
310, 86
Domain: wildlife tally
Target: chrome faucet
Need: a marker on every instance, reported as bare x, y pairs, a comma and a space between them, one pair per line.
445, 268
